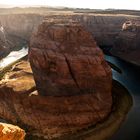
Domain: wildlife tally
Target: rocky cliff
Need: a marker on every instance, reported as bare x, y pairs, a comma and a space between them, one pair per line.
106, 29
20, 25
103, 27
3, 43
72, 75
15, 31
127, 43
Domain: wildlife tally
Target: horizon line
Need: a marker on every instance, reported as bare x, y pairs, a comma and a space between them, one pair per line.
6, 6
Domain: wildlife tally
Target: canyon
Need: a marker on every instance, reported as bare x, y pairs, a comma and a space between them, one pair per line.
107, 29
66, 85
72, 90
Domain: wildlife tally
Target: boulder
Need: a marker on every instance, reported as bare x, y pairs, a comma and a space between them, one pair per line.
11, 132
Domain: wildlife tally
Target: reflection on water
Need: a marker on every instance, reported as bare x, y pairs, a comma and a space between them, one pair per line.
130, 78
13, 56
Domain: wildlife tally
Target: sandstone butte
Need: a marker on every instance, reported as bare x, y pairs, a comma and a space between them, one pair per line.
73, 83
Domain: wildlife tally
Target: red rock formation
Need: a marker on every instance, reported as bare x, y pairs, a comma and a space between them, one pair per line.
49, 116
70, 70
72, 74
66, 61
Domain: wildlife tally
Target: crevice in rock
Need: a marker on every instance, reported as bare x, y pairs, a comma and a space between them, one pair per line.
69, 67
71, 72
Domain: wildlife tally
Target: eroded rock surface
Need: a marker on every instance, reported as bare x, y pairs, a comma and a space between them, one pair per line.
48, 116
11, 132
66, 61
70, 70
79, 87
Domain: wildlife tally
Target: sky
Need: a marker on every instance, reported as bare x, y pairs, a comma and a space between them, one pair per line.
93, 4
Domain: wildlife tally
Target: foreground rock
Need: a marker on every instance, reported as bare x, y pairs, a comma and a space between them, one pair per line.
47, 116
11, 132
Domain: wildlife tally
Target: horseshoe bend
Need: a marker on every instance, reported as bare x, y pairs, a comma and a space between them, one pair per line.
68, 87
64, 88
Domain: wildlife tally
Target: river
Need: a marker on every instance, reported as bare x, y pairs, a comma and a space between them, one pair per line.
130, 78
13, 56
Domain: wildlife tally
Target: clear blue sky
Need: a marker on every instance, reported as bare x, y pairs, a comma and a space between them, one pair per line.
95, 4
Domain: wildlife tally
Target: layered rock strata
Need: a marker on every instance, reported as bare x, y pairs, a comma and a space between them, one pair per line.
20, 25
106, 29
66, 61
47, 116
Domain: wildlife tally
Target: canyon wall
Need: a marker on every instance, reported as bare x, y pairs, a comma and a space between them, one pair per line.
106, 29
2, 40
17, 30
127, 43
20, 25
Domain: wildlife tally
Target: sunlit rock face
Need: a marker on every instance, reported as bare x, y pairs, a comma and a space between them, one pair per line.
127, 44
11, 132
